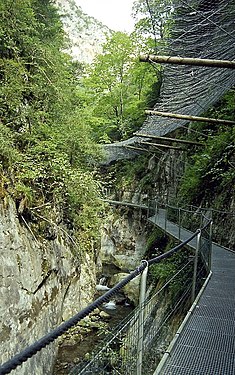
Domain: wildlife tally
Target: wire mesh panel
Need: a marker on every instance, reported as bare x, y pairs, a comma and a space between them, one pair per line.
163, 311
197, 29
223, 220
117, 354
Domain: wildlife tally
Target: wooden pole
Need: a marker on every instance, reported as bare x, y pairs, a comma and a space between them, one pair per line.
163, 146
168, 139
190, 118
188, 61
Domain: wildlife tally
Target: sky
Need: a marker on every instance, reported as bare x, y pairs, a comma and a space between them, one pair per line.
116, 14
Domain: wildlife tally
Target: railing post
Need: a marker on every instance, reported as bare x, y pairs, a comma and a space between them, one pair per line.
166, 217
195, 267
210, 243
143, 284
155, 213
179, 223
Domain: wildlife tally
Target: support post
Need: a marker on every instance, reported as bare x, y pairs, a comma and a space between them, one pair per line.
161, 138
148, 209
195, 267
210, 239
162, 146
188, 61
179, 223
189, 117
143, 284
136, 148
165, 217
156, 211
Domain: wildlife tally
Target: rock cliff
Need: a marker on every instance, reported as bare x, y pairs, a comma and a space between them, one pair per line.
41, 284
85, 34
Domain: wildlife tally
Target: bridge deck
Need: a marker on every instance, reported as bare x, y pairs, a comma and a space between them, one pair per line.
206, 344
160, 220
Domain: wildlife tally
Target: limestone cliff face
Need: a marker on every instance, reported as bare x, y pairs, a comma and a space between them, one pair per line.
41, 284
123, 240
123, 245
86, 34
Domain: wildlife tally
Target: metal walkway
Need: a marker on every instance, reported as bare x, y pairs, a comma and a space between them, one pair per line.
160, 219
205, 344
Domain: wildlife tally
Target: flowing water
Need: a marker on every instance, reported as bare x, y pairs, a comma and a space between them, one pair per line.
84, 338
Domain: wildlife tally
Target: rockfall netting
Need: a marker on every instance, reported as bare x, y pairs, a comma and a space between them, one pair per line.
198, 29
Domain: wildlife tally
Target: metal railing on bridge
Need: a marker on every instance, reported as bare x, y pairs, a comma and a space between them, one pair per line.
135, 347
137, 344
189, 217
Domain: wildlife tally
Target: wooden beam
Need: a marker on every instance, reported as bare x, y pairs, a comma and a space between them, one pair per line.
168, 139
190, 118
163, 146
188, 61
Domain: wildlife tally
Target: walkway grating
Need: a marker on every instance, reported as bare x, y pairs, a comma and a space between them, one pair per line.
206, 344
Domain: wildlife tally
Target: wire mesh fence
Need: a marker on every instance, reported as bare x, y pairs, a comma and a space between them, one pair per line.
196, 29
136, 345
190, 217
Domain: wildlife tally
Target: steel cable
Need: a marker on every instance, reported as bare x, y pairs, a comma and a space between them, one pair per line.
31, 350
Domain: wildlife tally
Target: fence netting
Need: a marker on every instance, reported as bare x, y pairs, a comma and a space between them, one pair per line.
167, 301
196, 29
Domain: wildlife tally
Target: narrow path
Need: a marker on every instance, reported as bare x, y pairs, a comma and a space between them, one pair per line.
206, 344
173, 229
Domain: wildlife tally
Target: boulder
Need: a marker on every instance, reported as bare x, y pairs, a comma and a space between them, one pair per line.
131, 290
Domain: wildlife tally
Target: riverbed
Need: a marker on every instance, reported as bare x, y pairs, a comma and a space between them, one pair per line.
86, 336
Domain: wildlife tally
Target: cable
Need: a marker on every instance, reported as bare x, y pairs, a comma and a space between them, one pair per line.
31, 350
208, 18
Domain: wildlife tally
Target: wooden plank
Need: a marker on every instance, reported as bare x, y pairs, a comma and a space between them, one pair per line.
161, 145
190, 118
168, 139
225, 64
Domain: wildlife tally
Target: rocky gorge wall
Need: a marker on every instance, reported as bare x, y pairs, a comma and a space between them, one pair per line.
85, 34
41, 284
123, 245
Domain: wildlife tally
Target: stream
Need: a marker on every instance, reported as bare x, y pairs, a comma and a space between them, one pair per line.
83, 339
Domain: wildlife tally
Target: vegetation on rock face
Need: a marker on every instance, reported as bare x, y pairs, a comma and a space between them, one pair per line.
47, 152
53, 112
202, 176
210, 172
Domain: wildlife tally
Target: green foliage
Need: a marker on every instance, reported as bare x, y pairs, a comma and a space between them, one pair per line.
164, 271
153, 239
157, 242
210, 171
128, 174
47, 149
7, 151
117, 88
152, 21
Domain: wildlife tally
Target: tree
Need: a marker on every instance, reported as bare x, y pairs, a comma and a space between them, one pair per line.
117, 86
153, 20
47, 150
